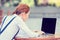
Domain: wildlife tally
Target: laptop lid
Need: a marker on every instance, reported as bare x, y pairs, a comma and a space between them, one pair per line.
48, 25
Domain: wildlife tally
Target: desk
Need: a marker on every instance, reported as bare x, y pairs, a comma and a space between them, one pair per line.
43, 38
37, 39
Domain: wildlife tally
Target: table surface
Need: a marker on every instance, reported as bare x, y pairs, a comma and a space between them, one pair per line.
55, 37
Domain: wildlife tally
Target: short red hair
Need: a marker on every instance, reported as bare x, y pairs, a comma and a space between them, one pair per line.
22, 8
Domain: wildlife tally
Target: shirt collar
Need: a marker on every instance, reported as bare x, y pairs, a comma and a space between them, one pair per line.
18, 16
15, 15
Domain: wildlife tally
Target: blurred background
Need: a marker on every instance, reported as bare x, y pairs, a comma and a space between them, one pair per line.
39, 9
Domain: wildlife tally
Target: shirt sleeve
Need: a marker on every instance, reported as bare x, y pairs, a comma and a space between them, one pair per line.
24, 27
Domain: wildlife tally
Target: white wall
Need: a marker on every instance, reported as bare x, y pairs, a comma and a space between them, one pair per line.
34, 23
58, 26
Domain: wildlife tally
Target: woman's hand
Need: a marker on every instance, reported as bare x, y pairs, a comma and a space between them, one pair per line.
39, 32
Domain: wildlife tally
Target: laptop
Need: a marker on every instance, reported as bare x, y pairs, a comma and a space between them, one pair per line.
48, 25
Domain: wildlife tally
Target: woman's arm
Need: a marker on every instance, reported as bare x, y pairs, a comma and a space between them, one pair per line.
24, 27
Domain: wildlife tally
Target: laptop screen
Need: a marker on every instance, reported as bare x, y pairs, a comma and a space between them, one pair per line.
48, 25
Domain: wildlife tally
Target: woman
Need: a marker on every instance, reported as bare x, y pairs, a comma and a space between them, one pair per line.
11, 25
